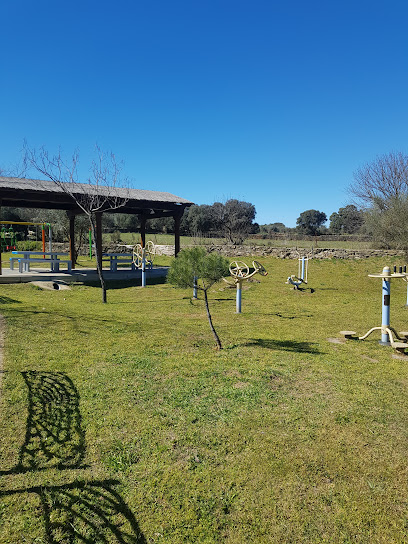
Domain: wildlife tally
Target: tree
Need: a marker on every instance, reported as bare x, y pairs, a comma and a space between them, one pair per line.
201, 219
235, 219
382, 186
387, 222
208, 268
273, 228
99, 194
347, 220
385, 177
310, 221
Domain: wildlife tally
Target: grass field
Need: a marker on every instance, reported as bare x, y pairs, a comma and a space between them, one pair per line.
133, 238
121, 423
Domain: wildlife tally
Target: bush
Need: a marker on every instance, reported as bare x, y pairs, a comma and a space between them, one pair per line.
28, 245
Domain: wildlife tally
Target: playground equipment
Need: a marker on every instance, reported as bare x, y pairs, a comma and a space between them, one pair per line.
301, 278
8, 239
240, 271
9, 236
387, 332
142, 256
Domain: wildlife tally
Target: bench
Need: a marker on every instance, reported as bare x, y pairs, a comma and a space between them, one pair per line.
118, 258
24, 264
12, 259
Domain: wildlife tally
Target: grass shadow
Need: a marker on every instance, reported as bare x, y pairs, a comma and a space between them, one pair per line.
8, 300
124, 284
54, 435
81, 511
85, 512
285, 345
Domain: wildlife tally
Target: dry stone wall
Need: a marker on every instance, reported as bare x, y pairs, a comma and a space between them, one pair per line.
257, 251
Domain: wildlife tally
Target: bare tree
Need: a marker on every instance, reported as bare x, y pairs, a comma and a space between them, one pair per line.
385, 177
102, 192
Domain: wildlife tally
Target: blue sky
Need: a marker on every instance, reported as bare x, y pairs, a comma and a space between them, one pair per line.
275, 103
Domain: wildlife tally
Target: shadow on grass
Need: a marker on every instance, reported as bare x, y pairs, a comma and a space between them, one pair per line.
298, 316
285, 345
124, 284
82, 511
85, 512
54, 436
8, 300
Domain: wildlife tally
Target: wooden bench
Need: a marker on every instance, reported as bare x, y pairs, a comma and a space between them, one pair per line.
24, 264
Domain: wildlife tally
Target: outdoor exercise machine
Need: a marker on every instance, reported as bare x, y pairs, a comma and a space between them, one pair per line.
143, 256
387, 332
241, 272
301, 278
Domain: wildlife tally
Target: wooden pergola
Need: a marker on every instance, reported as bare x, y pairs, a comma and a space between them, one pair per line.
34, 193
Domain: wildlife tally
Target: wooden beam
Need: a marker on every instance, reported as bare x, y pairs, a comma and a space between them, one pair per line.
1, 269
72, 251
177, 221
143, 229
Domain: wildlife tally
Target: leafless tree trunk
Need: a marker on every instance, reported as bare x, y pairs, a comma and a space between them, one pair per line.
101, 193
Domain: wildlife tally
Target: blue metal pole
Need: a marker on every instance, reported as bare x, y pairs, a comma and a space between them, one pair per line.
143, 271
239, 296
386, 296
302, 277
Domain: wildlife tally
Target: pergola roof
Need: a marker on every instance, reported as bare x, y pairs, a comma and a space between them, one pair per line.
33, 193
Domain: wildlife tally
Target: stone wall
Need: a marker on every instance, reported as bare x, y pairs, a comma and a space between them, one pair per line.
257, 251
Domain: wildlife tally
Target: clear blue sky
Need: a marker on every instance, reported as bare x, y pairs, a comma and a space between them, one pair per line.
275, 103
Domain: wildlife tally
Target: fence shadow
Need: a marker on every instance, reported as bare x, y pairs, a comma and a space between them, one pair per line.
285, 345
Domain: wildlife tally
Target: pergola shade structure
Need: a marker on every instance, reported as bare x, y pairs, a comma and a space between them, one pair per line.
33, 193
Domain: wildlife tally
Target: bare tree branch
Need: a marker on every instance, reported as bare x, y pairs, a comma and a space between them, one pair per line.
104, 190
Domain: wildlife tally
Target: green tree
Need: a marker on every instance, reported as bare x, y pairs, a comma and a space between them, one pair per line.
273, 228
310, 221
208, 268
347, 220
235, 219
387, 222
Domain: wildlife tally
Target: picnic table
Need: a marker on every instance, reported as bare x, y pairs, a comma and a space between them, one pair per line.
118, 258
48, 257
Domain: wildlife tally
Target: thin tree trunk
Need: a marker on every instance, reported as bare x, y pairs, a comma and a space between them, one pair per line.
98, 251
219, 346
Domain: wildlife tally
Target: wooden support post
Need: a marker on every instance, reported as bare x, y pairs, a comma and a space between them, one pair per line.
143, 230
72, 253
177, 221
98, 217
1, 268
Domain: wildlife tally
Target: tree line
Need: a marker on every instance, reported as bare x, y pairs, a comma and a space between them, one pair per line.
380, 209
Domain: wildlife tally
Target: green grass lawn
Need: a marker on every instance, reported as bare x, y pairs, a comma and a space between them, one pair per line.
121, 423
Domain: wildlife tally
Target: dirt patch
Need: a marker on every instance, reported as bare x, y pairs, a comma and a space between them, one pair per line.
337, 340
